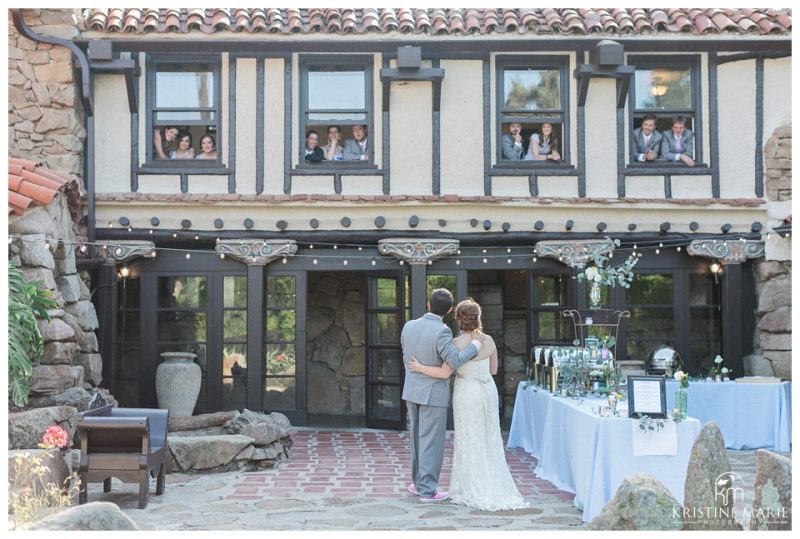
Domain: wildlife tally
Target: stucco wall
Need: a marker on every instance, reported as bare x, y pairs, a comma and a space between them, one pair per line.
601, 139
113, 135
411, 138
737, 129
246, 92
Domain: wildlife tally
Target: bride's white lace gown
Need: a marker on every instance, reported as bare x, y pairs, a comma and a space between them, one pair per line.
480, 476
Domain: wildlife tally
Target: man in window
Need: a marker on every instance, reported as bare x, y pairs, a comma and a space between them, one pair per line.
646, 141
356, 150
512, 142
678, 144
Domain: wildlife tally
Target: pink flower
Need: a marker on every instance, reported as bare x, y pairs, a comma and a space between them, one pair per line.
54, 437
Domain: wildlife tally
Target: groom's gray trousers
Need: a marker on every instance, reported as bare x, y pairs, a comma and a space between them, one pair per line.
427, 426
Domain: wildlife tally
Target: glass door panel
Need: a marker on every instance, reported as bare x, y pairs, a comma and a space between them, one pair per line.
280, 347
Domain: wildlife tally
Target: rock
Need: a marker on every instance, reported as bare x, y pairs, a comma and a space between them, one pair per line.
70, 288
320, 320
33, 221
641, 503
30, 113
201, 421
34, 252
775, 341
25, 428
269, 452
44, 277
774, 294
76, 397
330, 348
263, 429
72, 322
90, 516
89, 342
85, 292
708, 467
772, 506
194, 453
92, 367
65, 96
327, 397
208, 431
85, 314
353, 319
59, 353
54, 378
781, 363
757, 365
60, 72
768, 269
354, 363
55, 330
357, 397
23, 474
68, 163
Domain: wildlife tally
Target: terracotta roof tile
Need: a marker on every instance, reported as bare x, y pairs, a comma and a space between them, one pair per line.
451, 21
29, 182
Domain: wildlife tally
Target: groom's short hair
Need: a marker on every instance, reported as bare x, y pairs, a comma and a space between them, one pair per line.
441, 301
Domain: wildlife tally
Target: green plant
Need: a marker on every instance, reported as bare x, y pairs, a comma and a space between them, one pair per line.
37, 499
603, 273
27, 301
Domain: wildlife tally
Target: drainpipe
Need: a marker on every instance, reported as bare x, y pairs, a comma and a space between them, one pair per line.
86, 97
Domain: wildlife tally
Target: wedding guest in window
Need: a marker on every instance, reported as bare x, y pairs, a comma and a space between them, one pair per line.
646, 141
543, 146
678, 144
313, 153
355, 149
165, 141
512, 142
333, 150
185, 150
208, 147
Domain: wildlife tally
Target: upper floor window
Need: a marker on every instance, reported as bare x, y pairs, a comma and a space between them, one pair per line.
336, 103
533, 122
183, 110
665, 111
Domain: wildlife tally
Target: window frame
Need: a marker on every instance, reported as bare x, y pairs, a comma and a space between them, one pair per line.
645, 61
505, 116
152, 62
308, 62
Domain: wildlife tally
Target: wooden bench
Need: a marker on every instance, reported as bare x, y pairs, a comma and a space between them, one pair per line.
127, 443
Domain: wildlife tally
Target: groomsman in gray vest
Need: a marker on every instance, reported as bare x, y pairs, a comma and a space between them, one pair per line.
512, 142
646, 141
678, 143
429, 340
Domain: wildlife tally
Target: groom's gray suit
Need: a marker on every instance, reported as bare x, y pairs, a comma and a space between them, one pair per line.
430, 341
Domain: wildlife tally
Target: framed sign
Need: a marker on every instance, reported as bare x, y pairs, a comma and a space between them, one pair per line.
647, 395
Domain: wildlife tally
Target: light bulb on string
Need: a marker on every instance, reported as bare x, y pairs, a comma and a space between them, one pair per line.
535, 260
314, 261
373, 262
284, 260
458, 262
344, 262
222, 256
658, 251
678, 248
509, 261
485, 261
335, 246
174, 234
188, 256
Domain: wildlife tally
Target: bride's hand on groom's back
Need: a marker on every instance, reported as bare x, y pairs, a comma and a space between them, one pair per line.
413, 364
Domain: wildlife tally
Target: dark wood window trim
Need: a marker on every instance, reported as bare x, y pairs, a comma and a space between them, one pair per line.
692, 61
328, 168
562, 116
163, 166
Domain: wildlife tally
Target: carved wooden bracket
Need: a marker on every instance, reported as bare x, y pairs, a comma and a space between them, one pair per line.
574, 252
258, 252
416, 251
728, 251
123, 251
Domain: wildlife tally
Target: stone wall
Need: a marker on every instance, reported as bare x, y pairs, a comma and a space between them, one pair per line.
336, 364
43, 246
45, 120
773, 274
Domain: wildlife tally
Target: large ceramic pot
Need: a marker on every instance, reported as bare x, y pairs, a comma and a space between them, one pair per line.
178, 383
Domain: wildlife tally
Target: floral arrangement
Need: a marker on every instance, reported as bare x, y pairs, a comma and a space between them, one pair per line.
603, 273
682, 378
719, 368
54, 437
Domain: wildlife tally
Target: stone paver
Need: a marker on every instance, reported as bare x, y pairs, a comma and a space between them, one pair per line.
349, 480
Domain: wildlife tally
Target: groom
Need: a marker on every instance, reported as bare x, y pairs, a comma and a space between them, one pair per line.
429, 340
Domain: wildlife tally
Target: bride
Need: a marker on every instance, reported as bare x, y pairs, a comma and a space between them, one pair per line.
480, 476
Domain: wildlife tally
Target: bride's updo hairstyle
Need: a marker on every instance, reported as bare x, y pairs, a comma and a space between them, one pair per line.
468, 314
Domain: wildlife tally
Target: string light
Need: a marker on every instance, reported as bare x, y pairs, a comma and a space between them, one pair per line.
485, 260
458, 262
222, 256
124, 271
373, 262
314, 261
188, 256
197, 237
284, 260
344, 261
174, 234
509, 261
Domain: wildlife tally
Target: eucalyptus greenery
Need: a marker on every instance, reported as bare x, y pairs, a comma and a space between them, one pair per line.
649, 424
27, 301
601, 272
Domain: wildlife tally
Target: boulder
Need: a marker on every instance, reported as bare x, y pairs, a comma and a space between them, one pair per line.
31, 470
33, 221
55, 378
43, 275
708, 473
777, 321
95, 516
354, 363
203, 453
202, 421
84, 313
25, 428
89, 342
59, 353
262, 428
34, 252
55, 330
92, 367
70, 287
327, 397
773, 294
320, 319
353, 319
772, 505
641, 503
757, 365
76, 397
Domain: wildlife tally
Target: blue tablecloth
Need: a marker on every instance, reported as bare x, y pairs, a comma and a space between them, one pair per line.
750, 416
581, 452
